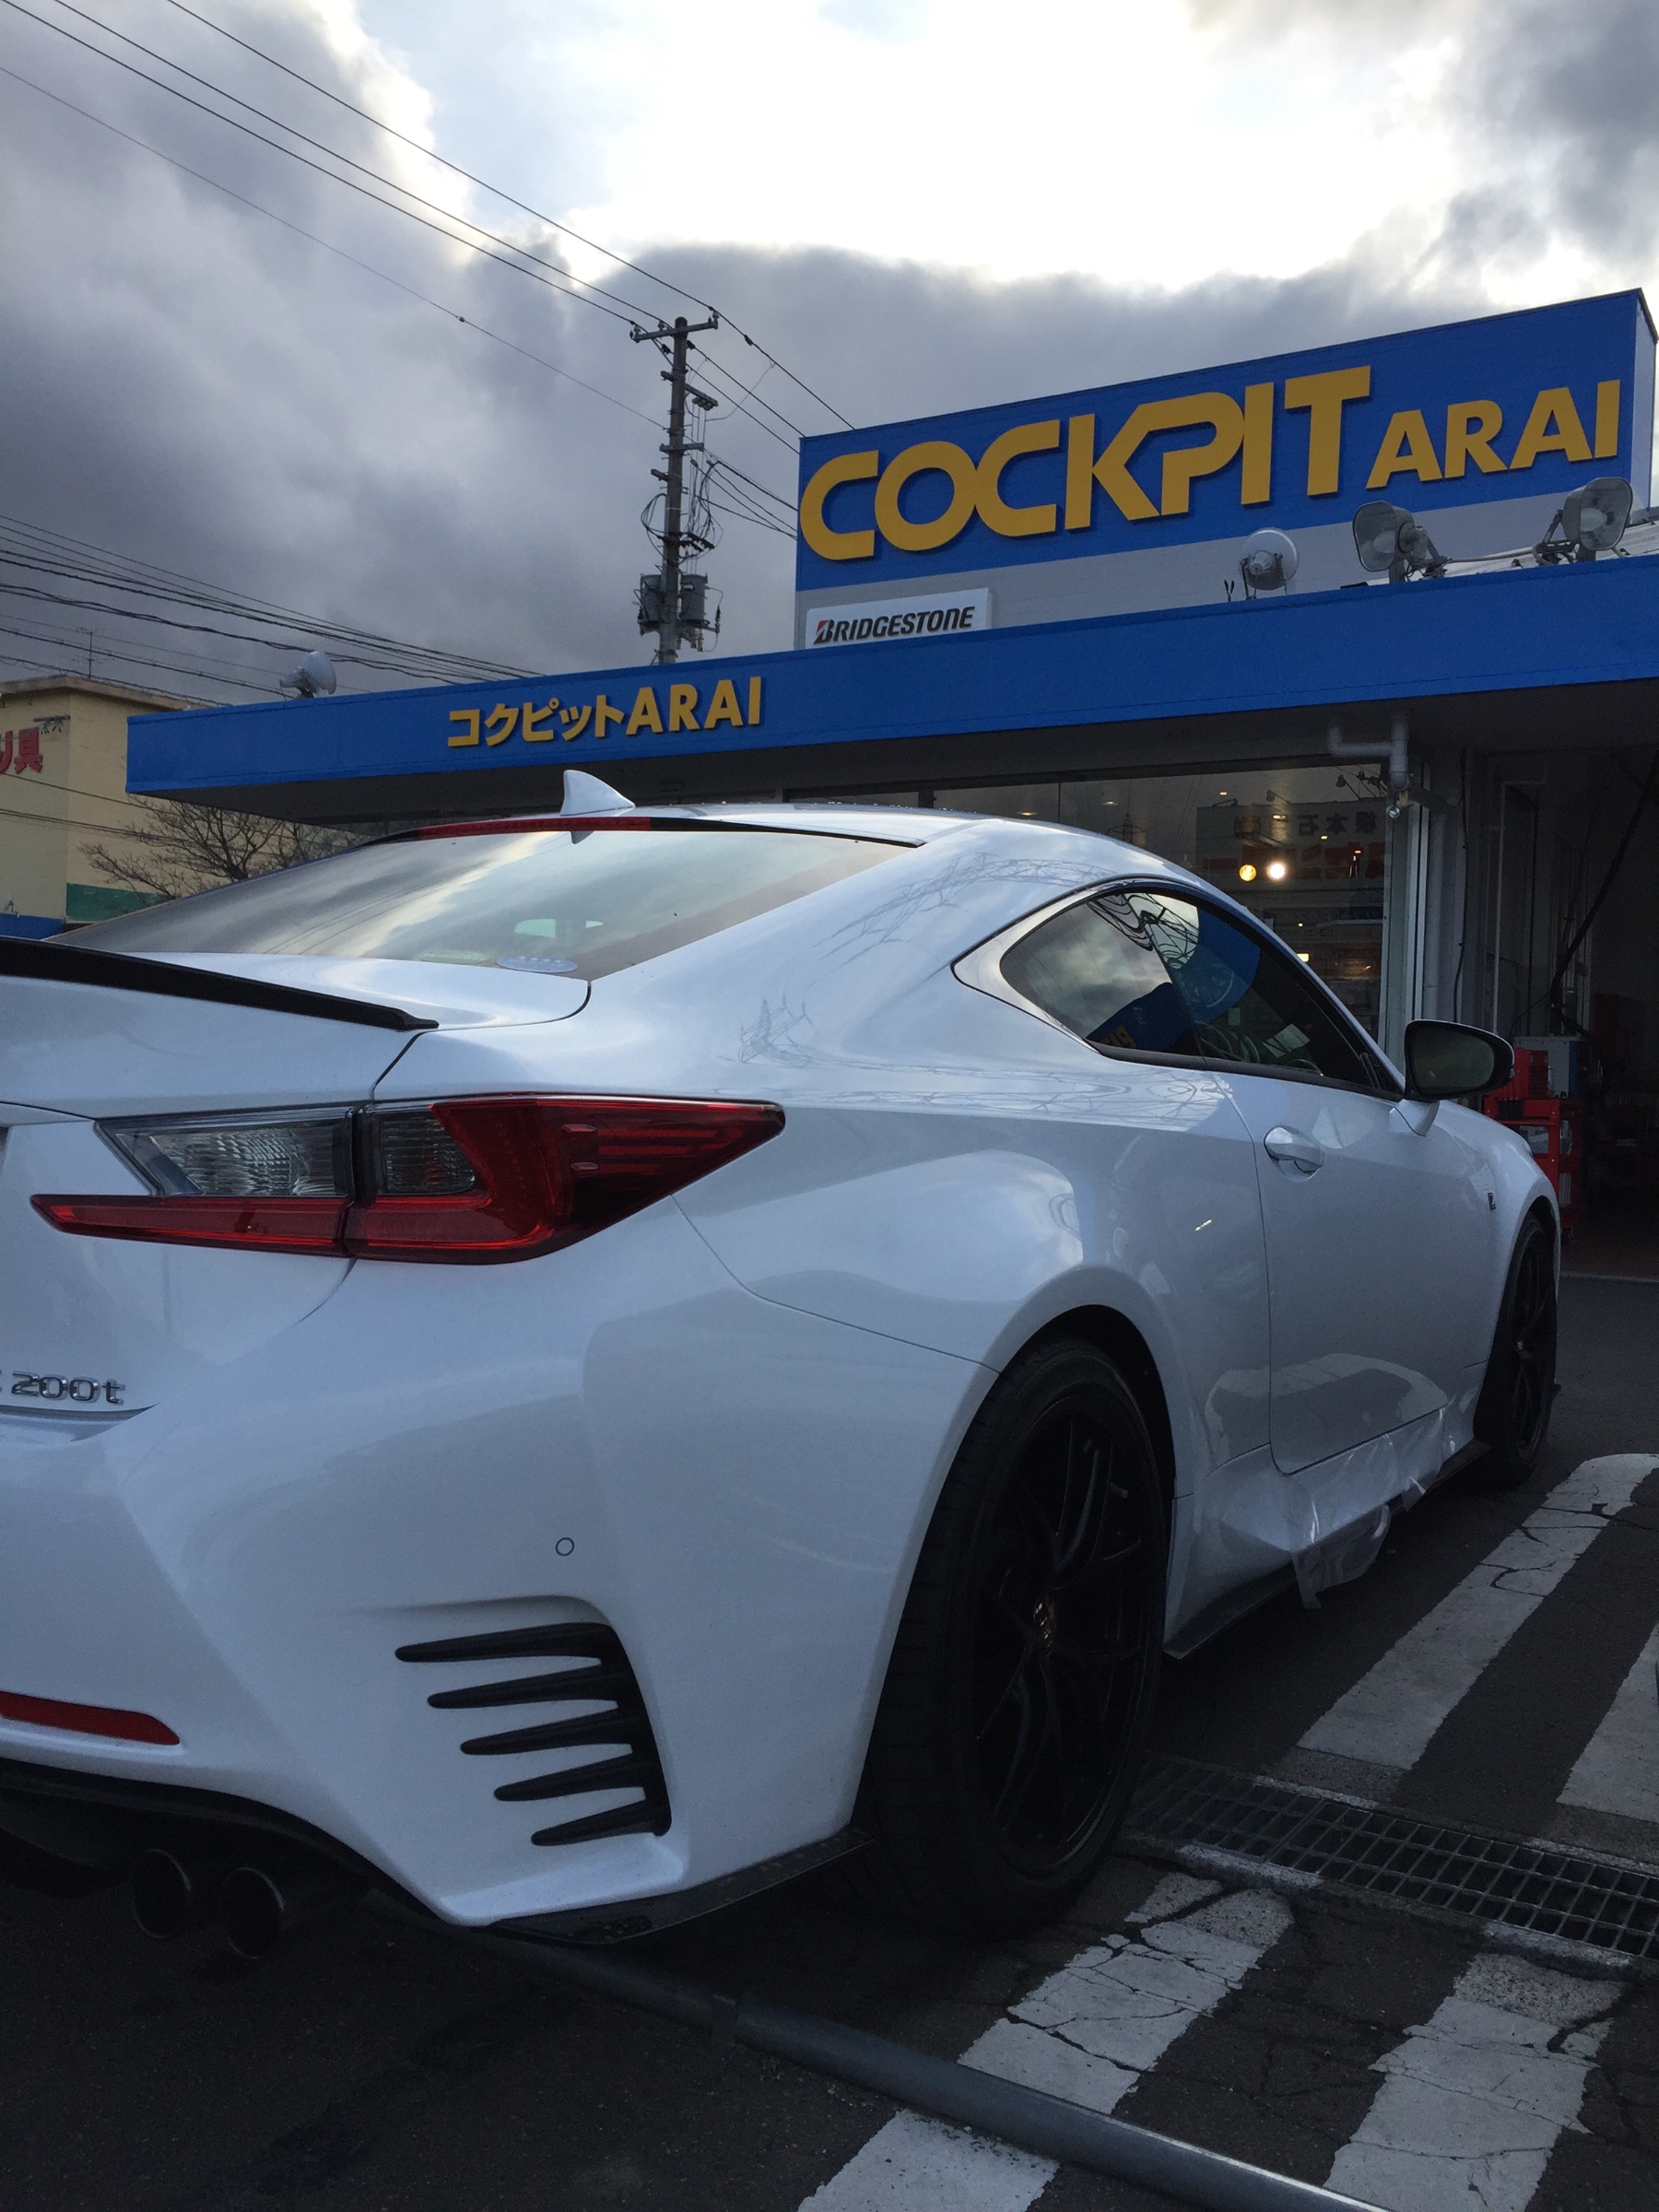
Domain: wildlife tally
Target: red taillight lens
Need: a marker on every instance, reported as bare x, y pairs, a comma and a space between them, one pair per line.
545, 1172
462, 1180
255, 1223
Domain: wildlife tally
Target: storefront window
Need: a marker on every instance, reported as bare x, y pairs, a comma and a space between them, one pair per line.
1305, 849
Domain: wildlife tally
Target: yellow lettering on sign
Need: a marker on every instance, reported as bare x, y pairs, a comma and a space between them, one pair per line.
1325, 396
500, 724
1079, 472
468, 716
918, 461
534, 718
1553, 427
1112, 470
995, 510
645, 715
1406, 448
604, 712
754, 701
1255, 471
1607, 419
576, 720
1471, 426
682, 705
723, 707
1226, 419
836, 544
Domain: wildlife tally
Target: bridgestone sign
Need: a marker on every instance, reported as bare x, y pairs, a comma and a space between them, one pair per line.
943, 614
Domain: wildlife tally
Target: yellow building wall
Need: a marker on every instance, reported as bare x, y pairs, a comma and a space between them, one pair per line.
52, 814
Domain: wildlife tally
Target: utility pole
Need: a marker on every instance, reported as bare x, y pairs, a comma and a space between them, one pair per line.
674, 601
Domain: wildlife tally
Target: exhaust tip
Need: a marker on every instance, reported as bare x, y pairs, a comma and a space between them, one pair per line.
254, 1911
259, 1908
166, 1897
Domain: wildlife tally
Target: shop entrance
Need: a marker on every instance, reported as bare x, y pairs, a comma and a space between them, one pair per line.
1566, 961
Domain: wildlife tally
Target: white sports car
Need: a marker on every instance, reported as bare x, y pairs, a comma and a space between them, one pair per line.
577, 1365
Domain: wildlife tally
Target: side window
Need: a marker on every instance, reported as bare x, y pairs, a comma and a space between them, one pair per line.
1251, 1005
1097, 968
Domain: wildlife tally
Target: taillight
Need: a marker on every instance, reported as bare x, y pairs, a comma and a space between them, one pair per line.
460, 1180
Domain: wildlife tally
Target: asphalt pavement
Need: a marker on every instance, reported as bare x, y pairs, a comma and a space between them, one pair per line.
1490, 1681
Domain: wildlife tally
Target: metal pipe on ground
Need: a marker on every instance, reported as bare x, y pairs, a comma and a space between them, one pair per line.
1053, 2127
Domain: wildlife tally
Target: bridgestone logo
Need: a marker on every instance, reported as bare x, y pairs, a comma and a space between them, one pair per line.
898, 618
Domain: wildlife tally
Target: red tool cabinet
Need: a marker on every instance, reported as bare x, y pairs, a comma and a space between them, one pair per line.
1553, 1129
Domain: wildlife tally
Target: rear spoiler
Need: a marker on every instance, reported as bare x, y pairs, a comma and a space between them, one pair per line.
58, 963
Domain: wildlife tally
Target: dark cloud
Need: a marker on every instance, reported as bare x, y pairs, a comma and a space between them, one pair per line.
188, 382
1567, 100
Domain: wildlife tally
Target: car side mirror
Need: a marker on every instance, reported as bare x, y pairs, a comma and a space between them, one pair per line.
1448, 1060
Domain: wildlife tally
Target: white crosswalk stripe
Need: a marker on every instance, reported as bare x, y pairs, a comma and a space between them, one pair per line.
1389, 1715
1619, 1769
1473, 2100
1088, 2033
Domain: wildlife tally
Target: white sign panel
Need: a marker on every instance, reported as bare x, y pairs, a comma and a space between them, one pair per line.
941, 614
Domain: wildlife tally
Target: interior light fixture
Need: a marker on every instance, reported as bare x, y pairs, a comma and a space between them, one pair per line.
1391, 542
1590, 520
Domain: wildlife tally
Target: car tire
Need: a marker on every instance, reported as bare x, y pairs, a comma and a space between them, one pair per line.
1512, 1415
1024, 1673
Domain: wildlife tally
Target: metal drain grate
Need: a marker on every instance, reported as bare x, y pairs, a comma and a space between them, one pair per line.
1181, 1806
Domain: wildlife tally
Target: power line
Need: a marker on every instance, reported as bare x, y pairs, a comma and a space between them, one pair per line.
367, 650
568, 288
318, 145
452, 314
270, 215
27, 546
213, 630
53, 552
566, 285
766, 492
122, 652
524, 209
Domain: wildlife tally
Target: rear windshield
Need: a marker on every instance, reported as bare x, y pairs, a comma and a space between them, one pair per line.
581, 902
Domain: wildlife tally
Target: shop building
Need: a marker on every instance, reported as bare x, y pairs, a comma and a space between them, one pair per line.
1419, 743
62, 793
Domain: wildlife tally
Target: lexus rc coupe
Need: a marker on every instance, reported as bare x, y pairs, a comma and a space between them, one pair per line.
571, 1366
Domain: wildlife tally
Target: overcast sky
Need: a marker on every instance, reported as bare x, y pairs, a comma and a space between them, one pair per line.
912, 204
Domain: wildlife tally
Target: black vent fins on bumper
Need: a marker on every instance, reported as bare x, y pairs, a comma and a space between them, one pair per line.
600, 1673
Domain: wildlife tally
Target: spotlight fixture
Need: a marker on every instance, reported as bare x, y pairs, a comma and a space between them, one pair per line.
1269, 561
1247, 873
1277, 870
1391, 541
313, 677
1592, 519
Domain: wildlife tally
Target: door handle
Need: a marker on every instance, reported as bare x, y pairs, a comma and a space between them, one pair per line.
1291, 1148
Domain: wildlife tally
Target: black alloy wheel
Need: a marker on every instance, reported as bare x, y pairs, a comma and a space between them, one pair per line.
1513, 1417
1023, 1677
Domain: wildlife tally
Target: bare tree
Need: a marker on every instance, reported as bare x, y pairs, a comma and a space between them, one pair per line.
176, 847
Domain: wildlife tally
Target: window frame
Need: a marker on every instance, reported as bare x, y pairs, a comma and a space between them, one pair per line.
980, 970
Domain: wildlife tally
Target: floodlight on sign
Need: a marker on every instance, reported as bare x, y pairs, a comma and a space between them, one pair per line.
1593, 518
1391, 541
1268, 562
314, 677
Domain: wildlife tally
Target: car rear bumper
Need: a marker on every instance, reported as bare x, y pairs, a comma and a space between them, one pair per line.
618, 1436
